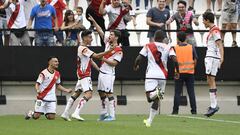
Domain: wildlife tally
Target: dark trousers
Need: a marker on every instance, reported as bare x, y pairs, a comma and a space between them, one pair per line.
124, 40
99, 19
189, 81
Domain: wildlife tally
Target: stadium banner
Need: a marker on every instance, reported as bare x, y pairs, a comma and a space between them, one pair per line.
25, 63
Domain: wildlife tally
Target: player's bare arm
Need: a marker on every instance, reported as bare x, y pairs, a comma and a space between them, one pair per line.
220, 46
101, 54
137, 62
37, 88
98, 28
112, 63
61, 88
94, 65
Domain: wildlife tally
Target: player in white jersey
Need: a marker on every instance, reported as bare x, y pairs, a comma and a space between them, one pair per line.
84, 83
106, 76
47, 82
213, 60
157, 54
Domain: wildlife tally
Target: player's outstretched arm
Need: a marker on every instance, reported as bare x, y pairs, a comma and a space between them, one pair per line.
110, 62
94, 65
101, 54
98, 28
137, 62
61, 88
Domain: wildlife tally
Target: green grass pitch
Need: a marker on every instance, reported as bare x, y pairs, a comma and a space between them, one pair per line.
124, 125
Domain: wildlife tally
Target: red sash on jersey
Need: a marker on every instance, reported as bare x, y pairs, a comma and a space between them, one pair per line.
211, 31
116, 49
14, 15
49, 87
82, 74
118, 19
157, 57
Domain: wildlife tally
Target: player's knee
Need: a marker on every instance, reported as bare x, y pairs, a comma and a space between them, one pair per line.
50, 116
36, 116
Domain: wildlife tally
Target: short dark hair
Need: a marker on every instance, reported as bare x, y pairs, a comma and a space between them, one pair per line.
80, 8
86, 33
182, 2
209, 16
181, 36
159, 36
117, 33
50, 58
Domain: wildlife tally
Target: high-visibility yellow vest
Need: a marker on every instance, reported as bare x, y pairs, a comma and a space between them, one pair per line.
185, 58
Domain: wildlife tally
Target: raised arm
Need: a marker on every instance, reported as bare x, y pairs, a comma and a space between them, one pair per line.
102, 11
98, 28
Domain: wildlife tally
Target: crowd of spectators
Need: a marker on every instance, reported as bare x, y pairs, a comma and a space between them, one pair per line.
55, 23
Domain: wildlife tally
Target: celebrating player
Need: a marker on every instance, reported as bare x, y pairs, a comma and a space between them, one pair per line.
213, 60
157, 54
47, 82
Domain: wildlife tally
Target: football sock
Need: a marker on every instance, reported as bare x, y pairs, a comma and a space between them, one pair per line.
82, 102
111, 106
213, 97
103, 105
152, 114
69, 104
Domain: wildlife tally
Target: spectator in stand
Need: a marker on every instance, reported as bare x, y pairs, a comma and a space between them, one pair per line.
230, 19
93, 10
59, 6
184, 21
17, 22
209, 5
72, 36
28, 5
190, 3
145, 4
78, 16
3, 23
118, 14
156, 19
42, 14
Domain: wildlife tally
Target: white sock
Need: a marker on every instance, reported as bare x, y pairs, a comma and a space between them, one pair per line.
104, 106
213, 99
112, 108
152, 114
80, 106
69, 105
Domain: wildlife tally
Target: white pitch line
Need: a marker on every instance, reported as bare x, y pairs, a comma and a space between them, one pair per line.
207, 119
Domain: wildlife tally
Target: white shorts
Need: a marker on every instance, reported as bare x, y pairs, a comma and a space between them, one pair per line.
84, 84
105, 82
211, 66
151, 84
45, 107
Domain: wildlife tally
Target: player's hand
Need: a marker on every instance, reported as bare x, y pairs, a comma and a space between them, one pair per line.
176, 76
69, 90
38, 91
112, 47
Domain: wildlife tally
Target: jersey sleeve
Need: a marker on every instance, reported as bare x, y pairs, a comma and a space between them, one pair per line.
143, 52
87, 52
216, 35
40, 78
58, 80
118, 56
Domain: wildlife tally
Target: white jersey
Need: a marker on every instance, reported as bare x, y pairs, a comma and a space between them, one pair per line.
113, 13
20, 20
212, 48
116, 54
44, 79
157, 54
84, 62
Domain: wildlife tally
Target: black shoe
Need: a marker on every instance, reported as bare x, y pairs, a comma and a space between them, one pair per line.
193, 112
211, 111
174, 112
